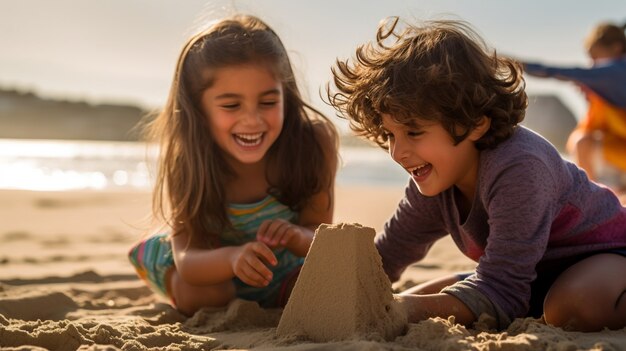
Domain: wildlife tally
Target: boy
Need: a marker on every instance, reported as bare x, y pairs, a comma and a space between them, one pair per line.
546, 239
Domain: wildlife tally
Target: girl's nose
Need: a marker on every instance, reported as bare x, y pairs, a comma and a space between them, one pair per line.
252, 116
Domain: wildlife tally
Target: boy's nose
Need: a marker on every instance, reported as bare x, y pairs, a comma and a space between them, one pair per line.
399, 153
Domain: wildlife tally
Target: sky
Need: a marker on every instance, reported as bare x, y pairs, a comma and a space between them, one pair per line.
110, 51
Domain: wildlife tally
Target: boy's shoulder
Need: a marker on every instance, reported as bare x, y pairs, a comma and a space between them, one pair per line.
523, 141
523, 147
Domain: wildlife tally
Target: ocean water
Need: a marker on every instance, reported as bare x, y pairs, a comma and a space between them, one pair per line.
59, 165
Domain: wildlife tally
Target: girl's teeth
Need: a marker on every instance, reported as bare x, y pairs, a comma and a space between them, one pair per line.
249, 139
250, 136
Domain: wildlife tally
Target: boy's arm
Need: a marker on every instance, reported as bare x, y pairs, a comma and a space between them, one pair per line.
422, 307
410, 232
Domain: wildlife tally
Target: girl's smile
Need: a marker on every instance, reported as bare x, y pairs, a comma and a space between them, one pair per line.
248, 140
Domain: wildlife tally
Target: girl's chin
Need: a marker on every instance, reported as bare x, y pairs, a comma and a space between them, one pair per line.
246, 158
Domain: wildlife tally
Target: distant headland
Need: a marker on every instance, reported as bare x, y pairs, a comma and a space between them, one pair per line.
25, 115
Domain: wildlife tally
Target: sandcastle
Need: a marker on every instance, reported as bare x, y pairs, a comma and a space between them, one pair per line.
342, 291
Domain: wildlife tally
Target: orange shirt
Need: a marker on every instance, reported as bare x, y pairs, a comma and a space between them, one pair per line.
611, 121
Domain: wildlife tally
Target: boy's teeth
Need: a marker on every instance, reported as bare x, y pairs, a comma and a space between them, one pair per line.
416, 170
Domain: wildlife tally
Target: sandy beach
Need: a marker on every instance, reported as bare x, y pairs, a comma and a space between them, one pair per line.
65, 284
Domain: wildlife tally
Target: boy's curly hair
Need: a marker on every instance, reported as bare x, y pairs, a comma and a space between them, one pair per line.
439, 72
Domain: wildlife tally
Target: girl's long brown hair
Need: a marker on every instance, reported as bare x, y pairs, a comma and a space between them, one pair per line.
189, 189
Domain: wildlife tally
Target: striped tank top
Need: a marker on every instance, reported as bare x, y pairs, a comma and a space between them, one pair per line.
246, 219
153, 257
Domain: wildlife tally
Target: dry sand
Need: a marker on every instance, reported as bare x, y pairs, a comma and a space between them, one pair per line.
65, 284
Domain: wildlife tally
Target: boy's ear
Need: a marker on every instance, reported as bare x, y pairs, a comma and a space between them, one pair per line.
481, 128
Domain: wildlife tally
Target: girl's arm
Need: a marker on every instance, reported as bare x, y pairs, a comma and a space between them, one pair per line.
199, 265
320, 207
297, 238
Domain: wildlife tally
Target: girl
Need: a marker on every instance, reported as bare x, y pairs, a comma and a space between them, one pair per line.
246, 172
546, 239
604, 84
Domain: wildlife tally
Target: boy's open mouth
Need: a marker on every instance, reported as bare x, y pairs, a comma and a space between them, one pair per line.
421, 170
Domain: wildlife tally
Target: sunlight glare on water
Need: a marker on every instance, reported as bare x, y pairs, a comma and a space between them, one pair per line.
57, 165
53, 165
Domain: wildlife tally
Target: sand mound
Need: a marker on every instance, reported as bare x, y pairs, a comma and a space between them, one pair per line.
342, 291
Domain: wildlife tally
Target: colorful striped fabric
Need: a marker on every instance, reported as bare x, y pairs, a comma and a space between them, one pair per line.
152, 257
246, 219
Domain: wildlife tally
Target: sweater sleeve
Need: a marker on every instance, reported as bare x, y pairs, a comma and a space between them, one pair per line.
409, 234
589, 77
520, 200
605, 80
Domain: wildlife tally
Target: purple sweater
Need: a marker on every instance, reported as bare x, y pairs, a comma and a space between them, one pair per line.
530, 206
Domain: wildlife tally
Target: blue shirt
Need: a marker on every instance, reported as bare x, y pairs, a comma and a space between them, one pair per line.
607, 79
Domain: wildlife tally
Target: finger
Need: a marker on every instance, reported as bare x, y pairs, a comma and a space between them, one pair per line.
262, 232
292, 231
265, 253
258, 271
278, 230
251, 277
249, 268
283, 234
243, 272
267, 232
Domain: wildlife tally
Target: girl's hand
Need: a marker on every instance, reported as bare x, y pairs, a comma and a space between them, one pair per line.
278, 232
250, 264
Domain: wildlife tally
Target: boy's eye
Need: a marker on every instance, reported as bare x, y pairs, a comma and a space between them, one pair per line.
414, 133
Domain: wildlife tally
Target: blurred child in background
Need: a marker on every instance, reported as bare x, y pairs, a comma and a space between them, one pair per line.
598, 144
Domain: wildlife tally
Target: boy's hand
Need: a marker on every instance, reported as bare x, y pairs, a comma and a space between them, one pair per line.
278, 233
250, 264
